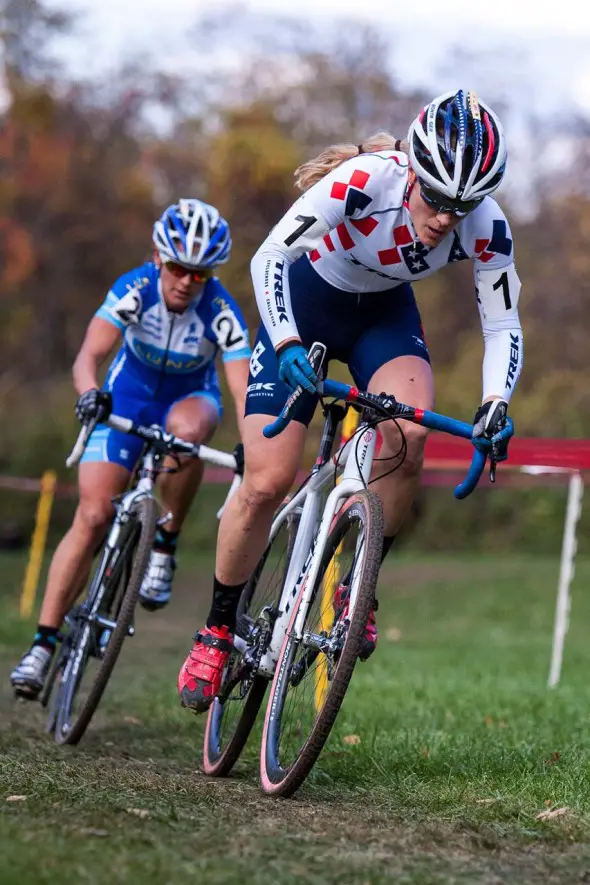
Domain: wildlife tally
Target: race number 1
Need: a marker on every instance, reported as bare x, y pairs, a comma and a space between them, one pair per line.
503, 284
306, 222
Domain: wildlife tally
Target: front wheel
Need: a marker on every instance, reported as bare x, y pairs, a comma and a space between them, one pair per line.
92, 650
316, 663
234, 711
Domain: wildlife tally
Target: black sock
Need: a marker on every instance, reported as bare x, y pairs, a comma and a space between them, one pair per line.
165, 541
46, 637
225, 605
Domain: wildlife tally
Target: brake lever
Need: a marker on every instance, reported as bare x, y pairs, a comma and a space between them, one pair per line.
493, 464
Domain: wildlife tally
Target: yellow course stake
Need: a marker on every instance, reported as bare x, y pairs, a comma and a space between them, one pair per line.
38, 542
329, 583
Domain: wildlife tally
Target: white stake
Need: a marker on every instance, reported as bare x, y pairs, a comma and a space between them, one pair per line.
566, 574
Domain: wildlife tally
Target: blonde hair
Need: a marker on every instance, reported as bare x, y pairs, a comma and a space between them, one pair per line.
309, 173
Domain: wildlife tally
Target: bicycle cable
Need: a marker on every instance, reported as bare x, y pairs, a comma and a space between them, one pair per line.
399, 456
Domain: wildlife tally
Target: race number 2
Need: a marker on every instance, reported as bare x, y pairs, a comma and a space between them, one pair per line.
228, 330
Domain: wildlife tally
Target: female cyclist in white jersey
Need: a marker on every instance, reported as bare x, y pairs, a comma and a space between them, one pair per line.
171, 316
339, 268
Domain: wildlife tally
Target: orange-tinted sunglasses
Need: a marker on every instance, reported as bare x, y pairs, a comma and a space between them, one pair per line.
197, 276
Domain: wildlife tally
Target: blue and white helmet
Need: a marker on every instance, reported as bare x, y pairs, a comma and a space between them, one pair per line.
457, 147
192, 233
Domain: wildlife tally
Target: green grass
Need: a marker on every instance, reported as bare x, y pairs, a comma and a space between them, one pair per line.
459, 746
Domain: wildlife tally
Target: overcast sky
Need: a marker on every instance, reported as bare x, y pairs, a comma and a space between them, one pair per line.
542, 47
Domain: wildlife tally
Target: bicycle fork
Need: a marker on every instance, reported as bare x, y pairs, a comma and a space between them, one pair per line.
354, 478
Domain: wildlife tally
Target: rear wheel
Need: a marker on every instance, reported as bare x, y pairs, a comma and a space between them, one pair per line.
91, 649
234, 711
315, 666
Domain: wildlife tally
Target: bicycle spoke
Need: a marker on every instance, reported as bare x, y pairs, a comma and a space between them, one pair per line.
313, 669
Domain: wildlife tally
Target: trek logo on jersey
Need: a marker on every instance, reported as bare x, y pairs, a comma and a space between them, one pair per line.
500, 244
261, 388
279, 294
513, 364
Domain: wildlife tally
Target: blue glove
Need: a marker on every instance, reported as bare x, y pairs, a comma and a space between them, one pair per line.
489, 420
295, 369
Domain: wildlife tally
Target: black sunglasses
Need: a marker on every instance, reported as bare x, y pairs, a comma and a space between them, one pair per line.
440, 203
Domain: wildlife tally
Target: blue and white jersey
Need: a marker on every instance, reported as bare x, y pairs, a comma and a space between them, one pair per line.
165, 355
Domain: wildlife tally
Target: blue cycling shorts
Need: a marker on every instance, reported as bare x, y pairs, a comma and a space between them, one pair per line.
365, 331
108, 445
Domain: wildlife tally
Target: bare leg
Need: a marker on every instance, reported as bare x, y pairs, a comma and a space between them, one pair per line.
409, 379
271, 465
195, 420
98, 483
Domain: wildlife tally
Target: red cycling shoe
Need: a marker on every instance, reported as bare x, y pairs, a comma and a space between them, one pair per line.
201, 674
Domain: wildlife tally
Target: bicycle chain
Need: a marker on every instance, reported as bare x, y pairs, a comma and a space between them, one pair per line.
253, 667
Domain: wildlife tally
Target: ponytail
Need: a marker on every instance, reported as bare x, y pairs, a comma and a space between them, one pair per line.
311, 172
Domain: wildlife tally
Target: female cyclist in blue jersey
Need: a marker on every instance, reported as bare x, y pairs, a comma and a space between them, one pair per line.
339, 268
171, 317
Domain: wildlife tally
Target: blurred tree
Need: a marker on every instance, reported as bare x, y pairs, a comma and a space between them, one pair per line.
85, 169
26, 31
250, 174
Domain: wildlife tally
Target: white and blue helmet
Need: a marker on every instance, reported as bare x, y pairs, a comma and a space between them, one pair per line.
192, 233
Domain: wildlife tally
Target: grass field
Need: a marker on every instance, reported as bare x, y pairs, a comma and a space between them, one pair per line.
447, 750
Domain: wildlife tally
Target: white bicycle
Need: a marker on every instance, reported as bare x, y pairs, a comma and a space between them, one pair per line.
97, 626
302, 616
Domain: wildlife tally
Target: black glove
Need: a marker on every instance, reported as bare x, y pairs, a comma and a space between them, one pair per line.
490, 419
94, 404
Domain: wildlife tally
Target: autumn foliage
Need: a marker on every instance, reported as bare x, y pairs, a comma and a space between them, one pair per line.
84, 171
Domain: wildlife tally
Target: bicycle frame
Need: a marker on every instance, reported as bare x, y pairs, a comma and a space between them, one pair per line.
303, 569
123, 509
148, 472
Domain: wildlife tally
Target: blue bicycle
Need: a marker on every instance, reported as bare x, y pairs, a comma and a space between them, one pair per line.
302, 616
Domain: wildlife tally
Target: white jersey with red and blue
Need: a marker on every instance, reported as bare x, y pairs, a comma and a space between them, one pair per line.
355, 226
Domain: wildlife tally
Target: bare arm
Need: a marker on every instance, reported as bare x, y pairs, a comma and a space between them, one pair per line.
100, 339
236, 373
